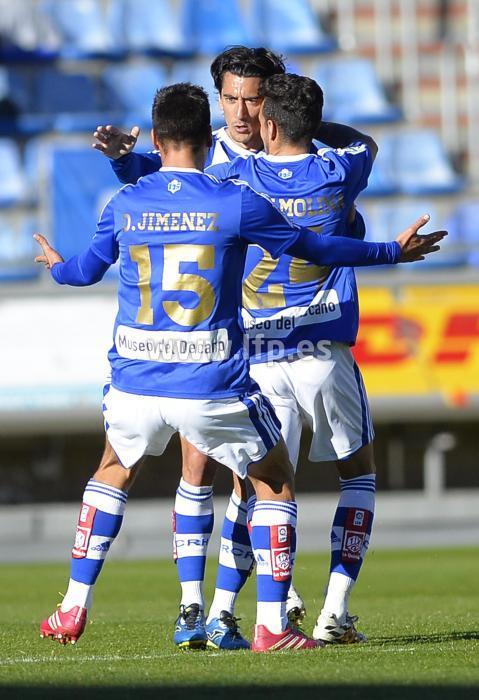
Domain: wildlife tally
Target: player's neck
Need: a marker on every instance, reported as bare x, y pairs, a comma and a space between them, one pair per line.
183, 158
287, 149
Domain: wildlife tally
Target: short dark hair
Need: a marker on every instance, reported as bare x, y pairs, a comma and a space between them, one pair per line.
247, 63
181, 113
294, 103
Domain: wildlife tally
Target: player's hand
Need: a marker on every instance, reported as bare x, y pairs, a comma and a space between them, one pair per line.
416, 247
113, 142
50, 255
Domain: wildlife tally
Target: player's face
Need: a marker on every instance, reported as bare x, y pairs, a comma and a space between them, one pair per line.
241, 104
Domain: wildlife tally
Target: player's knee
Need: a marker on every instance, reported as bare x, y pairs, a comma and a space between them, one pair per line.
360, 463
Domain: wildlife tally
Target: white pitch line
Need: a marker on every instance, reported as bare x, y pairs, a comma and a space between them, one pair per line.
84, 659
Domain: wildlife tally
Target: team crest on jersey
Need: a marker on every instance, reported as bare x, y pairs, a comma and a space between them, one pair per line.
174, 186
285, 174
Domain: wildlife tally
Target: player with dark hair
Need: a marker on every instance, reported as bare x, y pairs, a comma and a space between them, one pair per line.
301, 320
178, 362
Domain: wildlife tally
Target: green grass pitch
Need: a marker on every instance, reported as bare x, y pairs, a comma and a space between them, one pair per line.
420, 610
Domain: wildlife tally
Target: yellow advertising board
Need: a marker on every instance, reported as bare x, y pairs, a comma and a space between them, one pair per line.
416, 341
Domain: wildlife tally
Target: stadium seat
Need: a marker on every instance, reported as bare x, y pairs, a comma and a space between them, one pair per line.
17, 249
382, 182
421, 165
83, 28
131, 89
13, 189
464, 223
162, 26
26, 32
64, 102
290, 27
353, 92
217, 24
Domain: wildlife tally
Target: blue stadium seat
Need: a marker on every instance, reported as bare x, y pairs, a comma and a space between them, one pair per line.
83, 27
198, 72
218, 24
13, 189
290, 27
421, 164
132, 89
382, 182
17, 249
162, 27
464, 223
64, 102
353, 92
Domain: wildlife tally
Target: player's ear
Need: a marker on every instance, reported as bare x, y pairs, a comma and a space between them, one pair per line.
154, 139
272, 130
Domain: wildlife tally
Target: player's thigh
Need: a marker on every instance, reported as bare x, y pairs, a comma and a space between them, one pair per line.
135, 425
232, 431
331, 392
274, 382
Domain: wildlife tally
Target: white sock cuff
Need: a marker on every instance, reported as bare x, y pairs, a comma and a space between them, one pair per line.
104, 497
193, 500
236, 511
274, 513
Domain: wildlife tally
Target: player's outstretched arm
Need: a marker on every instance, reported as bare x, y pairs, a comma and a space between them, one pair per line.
338, 251
80, 271
118, 146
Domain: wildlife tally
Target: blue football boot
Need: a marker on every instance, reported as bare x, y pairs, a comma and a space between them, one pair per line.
190, 632
223, 633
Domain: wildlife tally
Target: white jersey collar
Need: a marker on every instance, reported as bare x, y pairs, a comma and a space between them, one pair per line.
287, 159
222, 135
171, 169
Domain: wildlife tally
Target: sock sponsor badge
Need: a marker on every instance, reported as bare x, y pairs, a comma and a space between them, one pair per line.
83, 532
280, 540
355, 531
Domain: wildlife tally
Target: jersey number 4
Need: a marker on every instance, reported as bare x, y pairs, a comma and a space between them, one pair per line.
175, 281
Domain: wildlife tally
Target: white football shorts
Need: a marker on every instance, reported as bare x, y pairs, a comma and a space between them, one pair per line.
234, 431
328, 392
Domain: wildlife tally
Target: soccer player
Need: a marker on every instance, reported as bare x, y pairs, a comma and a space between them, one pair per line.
178, 361
237, 74
301, 319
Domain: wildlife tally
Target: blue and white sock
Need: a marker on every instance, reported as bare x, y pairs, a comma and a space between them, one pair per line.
236, 558
350, 535
193, 525
99, 522
273, 536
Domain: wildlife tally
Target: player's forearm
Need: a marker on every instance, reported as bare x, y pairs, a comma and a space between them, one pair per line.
341, 135
132, 166
81, 270
339, 251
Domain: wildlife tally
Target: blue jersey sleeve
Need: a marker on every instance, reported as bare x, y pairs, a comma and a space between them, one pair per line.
220, 171
263, 224
104, 243
355, 161
81, 270
132, 166
339, 251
